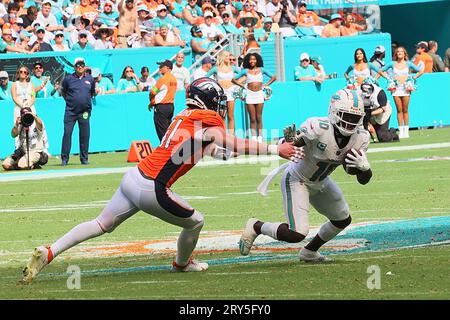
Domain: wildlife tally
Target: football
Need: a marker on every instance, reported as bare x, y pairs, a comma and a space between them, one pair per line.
350, 171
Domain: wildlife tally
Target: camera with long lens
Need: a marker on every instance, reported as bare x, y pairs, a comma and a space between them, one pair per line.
27, 119
284, 4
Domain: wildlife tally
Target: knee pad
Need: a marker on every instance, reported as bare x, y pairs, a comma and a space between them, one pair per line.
342, 224
288, 235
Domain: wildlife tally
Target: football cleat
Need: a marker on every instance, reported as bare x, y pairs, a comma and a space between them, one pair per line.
41, 257
248, 237
192, 266
312, 256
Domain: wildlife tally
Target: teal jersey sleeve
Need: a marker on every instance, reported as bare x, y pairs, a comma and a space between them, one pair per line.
413, 66
242, 73
388, 66
373, 67
349, 69
211, 72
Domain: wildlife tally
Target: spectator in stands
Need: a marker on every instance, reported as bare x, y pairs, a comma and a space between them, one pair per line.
23, 91
104, 34
7, 44
181, 73
13, 10
66, 18
103, 85
48, 19
176, 9
43, 85
82, 25
287, 20
163, 18
306, 71
227, 25
109, 15
199, 43
250, 45
60, 42
82, 43
5, 86
306, 18
40, 40
29, 17
333, 28
22, 9
224, 7
438, 64
207, 5
401, 67
167, 38
266, 33
350, 28
129, 81
273, 8
14, 25
146, 82
447, 60
207, 63
210, 30
378, 60
143, 16
254, 100
84, 8
25, 37
320, 70
249, 11
360, 70
191, 13
128, 22
224, 72
423, 59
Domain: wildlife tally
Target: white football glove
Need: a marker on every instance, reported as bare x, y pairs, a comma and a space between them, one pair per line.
357, 161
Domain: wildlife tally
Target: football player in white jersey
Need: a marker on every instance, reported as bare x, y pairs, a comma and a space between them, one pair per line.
327, 142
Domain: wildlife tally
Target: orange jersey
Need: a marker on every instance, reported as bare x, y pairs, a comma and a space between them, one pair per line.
179, 151
308, 19
164, 90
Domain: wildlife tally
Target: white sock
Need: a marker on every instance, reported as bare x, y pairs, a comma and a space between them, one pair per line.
328, 231
80, 233
401, 133
254, 138
186, 244
406, 128
270, 229
260, 139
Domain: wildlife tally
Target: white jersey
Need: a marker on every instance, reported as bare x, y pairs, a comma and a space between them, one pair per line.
322, 153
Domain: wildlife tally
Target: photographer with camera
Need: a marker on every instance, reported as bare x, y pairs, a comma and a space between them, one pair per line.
378, 112
283, 16
29, 133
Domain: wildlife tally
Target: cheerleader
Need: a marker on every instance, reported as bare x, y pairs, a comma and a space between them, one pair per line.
224, 72
255, 93
401, 86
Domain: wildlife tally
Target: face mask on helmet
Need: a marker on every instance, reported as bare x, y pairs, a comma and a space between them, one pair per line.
206, 93
367, 89
346, 111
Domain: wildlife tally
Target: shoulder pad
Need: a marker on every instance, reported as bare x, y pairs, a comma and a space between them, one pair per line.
313, 128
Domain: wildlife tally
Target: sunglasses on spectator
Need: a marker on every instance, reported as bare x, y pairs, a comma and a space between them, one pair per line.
129, 71
162, 10
23, 72
40, 31
82, 36
305, 60
37, 67
59, 35
80, 65
225, 15
3, 79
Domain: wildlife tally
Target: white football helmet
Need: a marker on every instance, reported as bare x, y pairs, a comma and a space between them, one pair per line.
346, 111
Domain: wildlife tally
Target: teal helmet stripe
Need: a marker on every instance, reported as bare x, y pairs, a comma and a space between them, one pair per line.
355, 99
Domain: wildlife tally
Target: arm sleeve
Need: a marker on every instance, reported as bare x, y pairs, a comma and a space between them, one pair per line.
242, 73
349, 69
388, 66
414, 67
211, 72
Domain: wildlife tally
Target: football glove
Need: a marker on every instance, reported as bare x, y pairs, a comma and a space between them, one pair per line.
357, 160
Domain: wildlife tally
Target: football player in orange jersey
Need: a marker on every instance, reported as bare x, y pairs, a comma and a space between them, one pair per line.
196, 131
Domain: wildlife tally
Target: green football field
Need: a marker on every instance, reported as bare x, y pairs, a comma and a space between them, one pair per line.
400, 229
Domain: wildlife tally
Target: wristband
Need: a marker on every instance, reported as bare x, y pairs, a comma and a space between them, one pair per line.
272, 149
